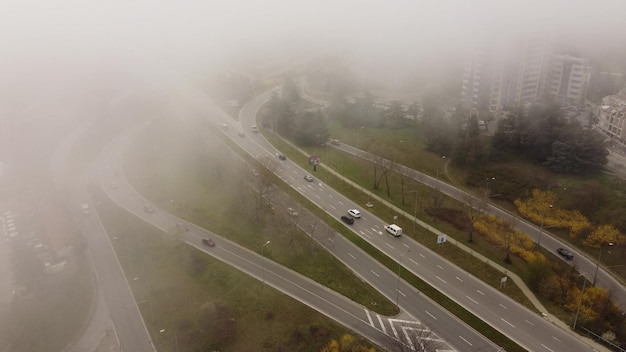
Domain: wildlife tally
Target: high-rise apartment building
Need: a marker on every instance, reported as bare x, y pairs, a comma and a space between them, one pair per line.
612, 119
526, 71
568, 79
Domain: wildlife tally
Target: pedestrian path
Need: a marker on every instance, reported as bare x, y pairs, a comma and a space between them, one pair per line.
510, 275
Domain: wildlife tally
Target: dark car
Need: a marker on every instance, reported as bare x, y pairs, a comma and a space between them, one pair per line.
565, 253
282, 157
208, 242
348, 220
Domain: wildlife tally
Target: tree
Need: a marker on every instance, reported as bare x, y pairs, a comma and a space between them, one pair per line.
280, 115
382, 166
437, 130
580, 153
395, 116
604, 234
473, 207
469, 149
290, 91
264, 183
310, 129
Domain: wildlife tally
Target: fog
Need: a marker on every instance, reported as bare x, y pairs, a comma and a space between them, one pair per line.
45, 36
51, 51
68, 61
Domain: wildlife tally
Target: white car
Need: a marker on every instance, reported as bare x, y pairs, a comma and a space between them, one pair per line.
354, 213
308, 178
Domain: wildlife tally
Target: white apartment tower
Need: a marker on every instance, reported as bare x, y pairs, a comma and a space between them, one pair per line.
521, 74
612, 119
568, 79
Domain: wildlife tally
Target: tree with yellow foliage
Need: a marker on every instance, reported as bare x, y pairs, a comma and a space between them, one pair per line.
346, 343
591, 305
540, 209
503, 234
604, 234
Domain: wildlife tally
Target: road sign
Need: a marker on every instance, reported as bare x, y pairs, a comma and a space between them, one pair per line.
315, 159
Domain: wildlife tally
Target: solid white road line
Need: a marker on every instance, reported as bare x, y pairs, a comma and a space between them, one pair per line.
432, 316
468, 297
369, 317
381, 324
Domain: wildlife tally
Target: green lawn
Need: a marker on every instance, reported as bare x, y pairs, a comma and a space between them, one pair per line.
213, 198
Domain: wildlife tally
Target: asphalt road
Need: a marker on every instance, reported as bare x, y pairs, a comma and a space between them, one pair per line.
378, 329
111, 281
521, 325
585, 265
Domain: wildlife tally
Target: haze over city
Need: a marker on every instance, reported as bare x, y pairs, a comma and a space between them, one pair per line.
296, 175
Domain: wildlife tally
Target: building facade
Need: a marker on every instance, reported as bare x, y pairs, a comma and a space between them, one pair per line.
612, 118
568, 79
520, 74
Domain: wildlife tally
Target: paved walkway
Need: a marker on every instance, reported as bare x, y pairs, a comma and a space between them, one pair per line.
516, 279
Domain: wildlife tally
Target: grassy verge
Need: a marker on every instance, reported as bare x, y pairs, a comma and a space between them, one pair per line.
457, 256
352, 169
34, 322
482, 270
216, 197
192, 302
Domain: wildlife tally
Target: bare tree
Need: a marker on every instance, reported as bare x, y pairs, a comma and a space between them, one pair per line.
473, 207
264, 183
382, 167
404, 174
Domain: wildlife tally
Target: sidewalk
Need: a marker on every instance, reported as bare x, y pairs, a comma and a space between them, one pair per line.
516, 279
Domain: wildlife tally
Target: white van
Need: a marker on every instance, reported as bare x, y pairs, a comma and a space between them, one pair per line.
255, 128
85, 208
394, 230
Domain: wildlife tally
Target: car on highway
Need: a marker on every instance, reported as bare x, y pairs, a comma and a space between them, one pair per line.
149, 209
255, 129
84, 208
241, 134
308, 177
208, 242
394, 230
224, 126
354, 213
348, 220
565, 253
282, 157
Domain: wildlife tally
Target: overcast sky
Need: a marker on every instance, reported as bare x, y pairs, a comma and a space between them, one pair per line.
45, 35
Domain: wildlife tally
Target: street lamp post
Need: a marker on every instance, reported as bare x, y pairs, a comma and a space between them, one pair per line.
595, 275
263, 255
398, 284
415, 211
580, 301
488, 188
541, 227
357, 136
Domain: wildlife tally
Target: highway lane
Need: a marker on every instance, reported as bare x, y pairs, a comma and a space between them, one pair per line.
521, 325
585, 265
119, 300
359, 318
